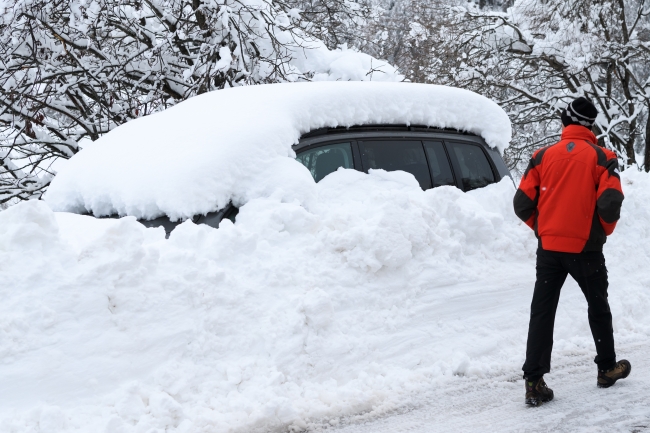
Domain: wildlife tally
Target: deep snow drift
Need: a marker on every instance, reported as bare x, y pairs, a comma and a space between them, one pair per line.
235, 144
355, 301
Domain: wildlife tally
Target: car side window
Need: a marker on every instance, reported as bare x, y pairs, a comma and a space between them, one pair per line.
439, 164
476, 171
391, 155
323, 160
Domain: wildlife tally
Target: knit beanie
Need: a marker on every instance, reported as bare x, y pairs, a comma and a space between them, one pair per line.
580, 111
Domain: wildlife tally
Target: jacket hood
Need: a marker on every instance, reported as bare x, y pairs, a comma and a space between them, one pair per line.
578, 132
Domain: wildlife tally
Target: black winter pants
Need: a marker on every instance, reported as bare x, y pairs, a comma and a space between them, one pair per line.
589, 271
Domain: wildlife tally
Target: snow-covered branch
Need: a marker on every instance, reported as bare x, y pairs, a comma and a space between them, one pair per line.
71, 71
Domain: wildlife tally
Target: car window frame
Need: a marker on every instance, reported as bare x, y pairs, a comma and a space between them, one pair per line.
451, 165
419, 140
456, 164
417, 133
356, 156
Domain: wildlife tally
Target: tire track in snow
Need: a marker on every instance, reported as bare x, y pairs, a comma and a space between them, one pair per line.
497, 404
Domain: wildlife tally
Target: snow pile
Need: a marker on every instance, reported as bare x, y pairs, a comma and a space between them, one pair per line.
197, 156
341, 64
354, 302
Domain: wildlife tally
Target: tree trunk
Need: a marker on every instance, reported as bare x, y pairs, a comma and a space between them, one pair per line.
629, 144
646, 152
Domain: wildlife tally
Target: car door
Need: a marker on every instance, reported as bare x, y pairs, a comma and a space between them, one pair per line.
392, 154
324, 159
471, 165
439, 164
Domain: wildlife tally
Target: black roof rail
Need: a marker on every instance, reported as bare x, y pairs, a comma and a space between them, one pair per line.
379, 127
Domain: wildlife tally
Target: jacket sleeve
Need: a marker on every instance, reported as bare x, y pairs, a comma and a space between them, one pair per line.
527, 196
609, 196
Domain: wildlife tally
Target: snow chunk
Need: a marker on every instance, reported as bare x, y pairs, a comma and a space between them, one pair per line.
235, 144
31, 226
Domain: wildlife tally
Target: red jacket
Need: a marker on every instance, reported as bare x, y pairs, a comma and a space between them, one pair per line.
571, 193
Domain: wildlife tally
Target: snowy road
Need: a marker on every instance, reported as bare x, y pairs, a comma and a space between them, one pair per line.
476, 404
496, 403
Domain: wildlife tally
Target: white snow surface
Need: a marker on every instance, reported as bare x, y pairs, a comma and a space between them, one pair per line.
354, 303
235, 144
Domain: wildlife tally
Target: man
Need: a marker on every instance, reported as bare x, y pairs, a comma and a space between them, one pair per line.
571, 196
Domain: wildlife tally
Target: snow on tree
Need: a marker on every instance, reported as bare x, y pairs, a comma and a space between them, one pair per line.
405, 33
541, 54
533, 59
71, 71
335, 22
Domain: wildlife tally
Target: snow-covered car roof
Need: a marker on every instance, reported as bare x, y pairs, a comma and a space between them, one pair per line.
235, 144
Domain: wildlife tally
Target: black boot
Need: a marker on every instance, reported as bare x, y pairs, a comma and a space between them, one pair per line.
607, 378
537, 392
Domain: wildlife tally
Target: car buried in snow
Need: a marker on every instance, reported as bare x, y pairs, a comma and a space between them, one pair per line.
198, 159
435, 157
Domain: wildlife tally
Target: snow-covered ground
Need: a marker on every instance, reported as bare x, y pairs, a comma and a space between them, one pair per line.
368, 300
475, 404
